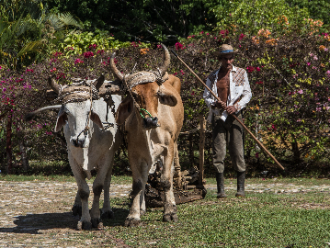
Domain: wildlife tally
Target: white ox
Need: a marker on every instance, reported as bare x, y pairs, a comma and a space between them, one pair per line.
153, 121
88, 149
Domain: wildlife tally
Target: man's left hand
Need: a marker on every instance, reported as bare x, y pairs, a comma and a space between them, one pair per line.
231, 110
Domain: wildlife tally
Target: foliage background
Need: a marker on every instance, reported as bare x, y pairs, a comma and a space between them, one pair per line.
167, 20
285, 51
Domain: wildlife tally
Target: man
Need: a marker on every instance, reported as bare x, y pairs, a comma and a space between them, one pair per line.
232, 86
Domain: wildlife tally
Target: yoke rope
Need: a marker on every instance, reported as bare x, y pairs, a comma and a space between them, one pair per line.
90, 112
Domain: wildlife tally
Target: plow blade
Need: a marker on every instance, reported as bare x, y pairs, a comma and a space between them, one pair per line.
156, 198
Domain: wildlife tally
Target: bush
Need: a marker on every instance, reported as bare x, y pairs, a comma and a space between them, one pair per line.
289, 78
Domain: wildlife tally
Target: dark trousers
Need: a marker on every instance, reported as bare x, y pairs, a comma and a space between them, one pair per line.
229, 132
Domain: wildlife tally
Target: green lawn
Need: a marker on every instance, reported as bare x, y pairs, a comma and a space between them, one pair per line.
265, 219
60, 178
260, 220
128, 179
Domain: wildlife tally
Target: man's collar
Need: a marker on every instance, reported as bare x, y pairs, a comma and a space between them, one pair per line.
234, 69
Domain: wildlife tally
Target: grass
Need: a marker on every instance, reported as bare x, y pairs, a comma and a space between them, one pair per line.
260, 220
60, 178
296, 181
209, 180
265, 219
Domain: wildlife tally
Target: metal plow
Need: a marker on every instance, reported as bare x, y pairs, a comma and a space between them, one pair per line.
186, 187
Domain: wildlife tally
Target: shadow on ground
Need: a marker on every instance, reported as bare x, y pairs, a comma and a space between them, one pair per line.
38, 223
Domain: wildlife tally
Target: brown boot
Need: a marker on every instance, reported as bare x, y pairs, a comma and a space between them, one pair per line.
240, 184
220, 185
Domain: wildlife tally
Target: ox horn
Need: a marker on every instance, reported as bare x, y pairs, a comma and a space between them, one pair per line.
53, 84
29, 116
166, 64
114, 68
98, 82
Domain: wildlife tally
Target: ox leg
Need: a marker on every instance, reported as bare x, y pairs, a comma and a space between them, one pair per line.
140, 177
83, 194
170, 211
142, 204
83, 191
106, 210
76, 209
98, 186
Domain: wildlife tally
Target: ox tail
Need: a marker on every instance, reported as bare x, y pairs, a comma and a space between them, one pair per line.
29, 116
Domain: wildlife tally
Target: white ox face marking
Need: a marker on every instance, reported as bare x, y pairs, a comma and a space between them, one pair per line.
75, 117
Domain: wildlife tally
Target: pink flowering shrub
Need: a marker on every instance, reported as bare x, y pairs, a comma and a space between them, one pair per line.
290, 100
284, 77
92, 46
178, 46
88, 54
78, 61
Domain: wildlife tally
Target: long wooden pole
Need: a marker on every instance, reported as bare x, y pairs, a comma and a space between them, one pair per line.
201, 150
259, 143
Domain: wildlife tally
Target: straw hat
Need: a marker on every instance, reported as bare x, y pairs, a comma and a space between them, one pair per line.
226, 49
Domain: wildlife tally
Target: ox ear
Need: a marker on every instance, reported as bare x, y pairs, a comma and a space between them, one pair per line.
96, 119
61, 120
166, 97
124, 110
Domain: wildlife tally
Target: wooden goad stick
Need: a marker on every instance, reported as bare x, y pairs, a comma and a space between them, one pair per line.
259, 143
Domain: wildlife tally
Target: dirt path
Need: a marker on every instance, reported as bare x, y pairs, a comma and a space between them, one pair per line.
38, 214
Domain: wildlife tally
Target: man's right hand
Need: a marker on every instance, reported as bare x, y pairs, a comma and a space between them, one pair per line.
220, 104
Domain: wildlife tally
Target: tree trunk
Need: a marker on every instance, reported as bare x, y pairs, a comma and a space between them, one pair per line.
295, 149
8, 144
24, 157
191, 149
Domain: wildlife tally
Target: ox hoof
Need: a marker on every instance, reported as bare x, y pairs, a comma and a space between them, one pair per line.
132, 222
100, 226
108, 215
166, 217
84, 225
97, 223
77, 210
142, 212
174, 217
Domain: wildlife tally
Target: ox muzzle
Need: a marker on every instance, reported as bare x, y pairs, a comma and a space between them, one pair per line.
150, 122
79, 143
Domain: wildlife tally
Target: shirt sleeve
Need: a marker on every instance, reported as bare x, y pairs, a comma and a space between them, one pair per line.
246, 95
208, 97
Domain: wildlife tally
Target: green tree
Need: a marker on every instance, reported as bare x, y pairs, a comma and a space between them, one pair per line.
317, 9
145, 20
28, 31
167, 20
253, 15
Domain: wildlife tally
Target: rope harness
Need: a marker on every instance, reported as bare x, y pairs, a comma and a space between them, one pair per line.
159, 80
79, 93
86, 129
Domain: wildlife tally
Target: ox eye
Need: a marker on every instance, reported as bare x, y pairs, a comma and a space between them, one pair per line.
135, 95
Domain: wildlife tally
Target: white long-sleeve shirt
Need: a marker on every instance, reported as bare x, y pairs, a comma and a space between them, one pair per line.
239, 88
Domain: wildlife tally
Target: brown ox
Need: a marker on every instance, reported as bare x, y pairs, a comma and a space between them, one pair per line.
151, 137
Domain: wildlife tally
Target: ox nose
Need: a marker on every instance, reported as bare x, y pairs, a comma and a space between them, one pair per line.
150, 122
78, 142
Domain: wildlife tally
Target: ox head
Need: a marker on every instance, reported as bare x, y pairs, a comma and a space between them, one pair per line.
148, 92
75, 110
